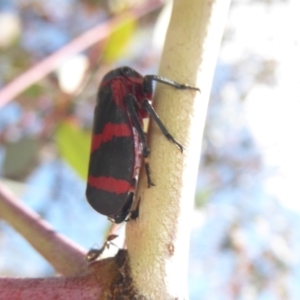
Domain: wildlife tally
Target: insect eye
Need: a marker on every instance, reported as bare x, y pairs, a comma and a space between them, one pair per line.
126, 71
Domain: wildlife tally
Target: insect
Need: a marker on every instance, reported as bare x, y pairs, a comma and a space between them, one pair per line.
119, 143
93, 253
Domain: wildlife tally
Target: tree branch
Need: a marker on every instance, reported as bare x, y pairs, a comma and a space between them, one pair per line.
64, 255
158, 242
89, 285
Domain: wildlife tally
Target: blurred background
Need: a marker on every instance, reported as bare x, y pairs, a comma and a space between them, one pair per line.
245, 241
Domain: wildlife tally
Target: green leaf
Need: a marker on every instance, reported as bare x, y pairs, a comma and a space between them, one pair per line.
21, 157
74, 145
202, 197
34, 91
119, 40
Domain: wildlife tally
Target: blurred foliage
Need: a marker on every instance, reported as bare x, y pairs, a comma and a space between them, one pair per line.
118, 41
74, 146
21, 157
34, 91
202, 197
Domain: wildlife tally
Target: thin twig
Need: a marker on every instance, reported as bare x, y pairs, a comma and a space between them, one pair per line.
64, 255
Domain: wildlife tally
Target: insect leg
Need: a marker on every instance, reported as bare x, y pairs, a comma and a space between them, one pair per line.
131, 102
135, 213
148, 83
149, 108
93, 254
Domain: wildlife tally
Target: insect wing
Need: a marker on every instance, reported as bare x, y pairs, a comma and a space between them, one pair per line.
112, 156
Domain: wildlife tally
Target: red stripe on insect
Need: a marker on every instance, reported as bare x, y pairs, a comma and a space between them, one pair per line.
110, 130
109, 184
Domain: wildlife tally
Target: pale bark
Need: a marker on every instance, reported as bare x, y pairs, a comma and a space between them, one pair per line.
158, 242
